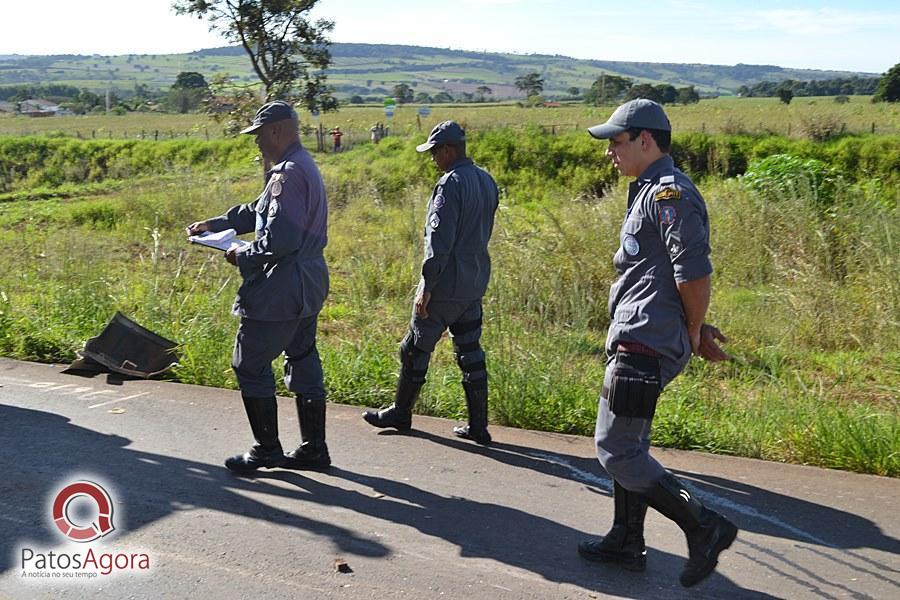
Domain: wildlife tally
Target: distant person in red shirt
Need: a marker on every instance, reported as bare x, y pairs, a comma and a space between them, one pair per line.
336, 138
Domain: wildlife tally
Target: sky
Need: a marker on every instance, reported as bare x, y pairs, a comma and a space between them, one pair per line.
843, 35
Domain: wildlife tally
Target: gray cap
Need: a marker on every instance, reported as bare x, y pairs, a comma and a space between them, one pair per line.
447, 132
641, 113
271, 112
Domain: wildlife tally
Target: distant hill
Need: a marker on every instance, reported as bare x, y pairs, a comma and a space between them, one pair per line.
374, 69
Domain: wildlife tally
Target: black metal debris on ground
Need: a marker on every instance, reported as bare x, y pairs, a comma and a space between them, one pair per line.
127, 348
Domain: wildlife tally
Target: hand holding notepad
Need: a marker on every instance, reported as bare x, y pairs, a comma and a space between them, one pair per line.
221, 240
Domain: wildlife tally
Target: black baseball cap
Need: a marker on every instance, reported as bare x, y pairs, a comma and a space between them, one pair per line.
447, 132
271, 112
640, 113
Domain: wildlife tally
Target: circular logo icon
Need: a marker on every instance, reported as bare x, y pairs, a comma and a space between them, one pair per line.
74, 493
631, 246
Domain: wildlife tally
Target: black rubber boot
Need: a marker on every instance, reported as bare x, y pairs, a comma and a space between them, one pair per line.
399, 414
708, 533
476, 402
624, 544
266, 452
312, 453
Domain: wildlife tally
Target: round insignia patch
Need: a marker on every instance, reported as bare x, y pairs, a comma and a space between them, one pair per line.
435, 221
276, 188
273, 207
631, 246
438, 202
667, 215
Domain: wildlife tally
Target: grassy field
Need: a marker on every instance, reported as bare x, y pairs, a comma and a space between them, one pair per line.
815, 378
720, 115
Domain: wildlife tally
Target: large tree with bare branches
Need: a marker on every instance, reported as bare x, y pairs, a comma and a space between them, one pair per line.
288, 51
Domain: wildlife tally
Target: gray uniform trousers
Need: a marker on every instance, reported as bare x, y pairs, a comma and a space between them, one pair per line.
623, 443
258, 343
463, 318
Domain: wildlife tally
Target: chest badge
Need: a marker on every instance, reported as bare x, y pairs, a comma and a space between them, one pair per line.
435, 221
630, 245
273, 207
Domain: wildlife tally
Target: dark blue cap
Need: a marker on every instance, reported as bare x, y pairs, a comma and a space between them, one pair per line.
271, 112
447, 132
640, 113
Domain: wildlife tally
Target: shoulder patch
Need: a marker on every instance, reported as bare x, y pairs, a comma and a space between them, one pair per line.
668, 193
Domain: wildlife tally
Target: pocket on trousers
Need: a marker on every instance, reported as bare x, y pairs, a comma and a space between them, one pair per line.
635, 386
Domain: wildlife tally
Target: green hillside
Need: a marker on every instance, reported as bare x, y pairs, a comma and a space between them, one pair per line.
373, 69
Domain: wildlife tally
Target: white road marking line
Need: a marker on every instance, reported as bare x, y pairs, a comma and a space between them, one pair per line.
119, 400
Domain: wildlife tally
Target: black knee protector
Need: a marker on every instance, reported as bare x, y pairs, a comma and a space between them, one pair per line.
471, 360
410, 356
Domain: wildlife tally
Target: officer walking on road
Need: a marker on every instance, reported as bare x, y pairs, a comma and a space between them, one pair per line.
285, 282
657, 310
455, 274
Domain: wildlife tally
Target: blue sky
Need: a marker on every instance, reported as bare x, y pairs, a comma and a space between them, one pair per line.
838, 35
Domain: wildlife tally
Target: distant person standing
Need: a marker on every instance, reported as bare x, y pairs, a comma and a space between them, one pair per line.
455, 274
657, 310
376, 132
336, 135
285, 282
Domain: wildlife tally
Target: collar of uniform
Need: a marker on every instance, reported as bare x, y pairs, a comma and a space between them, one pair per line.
660, 166
295, 147
460, 162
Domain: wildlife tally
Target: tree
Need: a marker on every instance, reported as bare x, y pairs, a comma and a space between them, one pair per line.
423, 98
889, 86
643, 90
288, 52
483, 91
666, 93
607, 89
442, 98
190, 80
531, 84
688, 95
573, 91
403, 93
785, 94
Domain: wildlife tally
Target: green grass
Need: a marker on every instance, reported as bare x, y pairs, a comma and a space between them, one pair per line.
727, 115
815, 379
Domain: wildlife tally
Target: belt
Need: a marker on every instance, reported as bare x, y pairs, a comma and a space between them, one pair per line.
636, 348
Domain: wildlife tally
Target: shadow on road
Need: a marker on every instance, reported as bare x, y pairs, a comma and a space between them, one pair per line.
150, 486
39, 446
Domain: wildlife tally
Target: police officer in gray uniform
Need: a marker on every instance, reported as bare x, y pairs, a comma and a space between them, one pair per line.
285, 282
455, 276
657, 308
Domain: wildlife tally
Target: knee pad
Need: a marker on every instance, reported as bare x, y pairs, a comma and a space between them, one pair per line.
413, 361
471, 361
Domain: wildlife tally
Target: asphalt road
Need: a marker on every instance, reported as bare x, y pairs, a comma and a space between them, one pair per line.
419, 515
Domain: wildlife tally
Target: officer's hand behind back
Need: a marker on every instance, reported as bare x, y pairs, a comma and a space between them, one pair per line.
709, 349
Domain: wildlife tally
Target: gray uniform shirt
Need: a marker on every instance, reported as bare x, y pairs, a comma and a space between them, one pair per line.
458, 227
664, 239
284, 271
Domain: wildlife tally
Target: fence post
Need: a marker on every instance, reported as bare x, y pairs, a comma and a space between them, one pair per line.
789, 129
873, 126
156, 135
